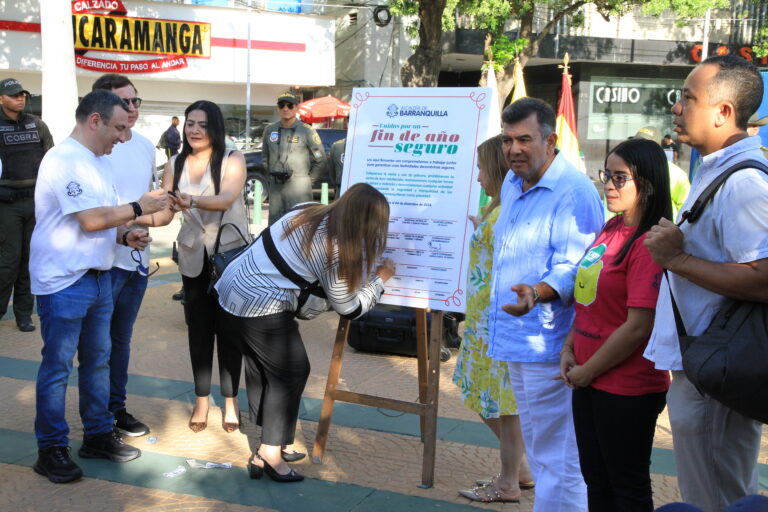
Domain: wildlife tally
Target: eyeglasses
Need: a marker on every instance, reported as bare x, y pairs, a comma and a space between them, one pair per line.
140, 268
136, 101
283, 104
618, 180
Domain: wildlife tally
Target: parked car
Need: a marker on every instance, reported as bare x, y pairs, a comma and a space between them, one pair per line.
256, 171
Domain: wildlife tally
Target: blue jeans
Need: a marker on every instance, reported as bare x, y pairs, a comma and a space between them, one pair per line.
128, 287
74, 320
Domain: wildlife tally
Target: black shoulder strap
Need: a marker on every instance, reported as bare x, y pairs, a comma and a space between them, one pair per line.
218, 235
694, 212
279, 263
692, 215
306, 287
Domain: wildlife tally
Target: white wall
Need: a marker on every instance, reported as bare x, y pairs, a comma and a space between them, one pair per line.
315, 66
370, 56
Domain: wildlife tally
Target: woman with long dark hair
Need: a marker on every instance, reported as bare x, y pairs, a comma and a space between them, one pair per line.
484, 382
618, 395
208, 180
336, 247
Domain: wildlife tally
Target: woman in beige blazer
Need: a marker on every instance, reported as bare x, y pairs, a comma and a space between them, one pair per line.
208, 180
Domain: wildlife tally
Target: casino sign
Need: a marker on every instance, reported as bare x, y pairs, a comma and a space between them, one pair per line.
102, 25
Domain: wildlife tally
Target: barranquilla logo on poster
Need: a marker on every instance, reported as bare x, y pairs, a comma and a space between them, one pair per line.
418, 147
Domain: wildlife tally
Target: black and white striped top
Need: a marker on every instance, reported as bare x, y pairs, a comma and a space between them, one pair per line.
251, 286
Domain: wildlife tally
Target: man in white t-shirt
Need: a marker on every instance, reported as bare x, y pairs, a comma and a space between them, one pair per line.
133, 164
724, 254
79, 222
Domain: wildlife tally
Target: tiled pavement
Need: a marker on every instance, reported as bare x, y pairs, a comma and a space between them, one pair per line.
373, 457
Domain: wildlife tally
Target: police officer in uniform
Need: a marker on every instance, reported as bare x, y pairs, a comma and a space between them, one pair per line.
336, 163
293, 155
24, 139
753, 128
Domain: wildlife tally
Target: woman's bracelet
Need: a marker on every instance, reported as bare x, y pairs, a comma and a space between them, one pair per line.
566, 348
125, 236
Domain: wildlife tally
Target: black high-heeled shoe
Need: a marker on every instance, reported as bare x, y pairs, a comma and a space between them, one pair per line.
291, 476
291, 456
255, 471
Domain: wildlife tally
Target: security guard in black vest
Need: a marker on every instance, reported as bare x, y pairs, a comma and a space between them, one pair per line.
293, 156
24, 139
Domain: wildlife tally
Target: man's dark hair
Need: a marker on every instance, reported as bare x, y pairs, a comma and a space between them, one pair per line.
524, 107
102, 102
174, 118
739, 82
111, 81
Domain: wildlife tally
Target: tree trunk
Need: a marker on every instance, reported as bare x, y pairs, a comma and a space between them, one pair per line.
423, 67
506, 78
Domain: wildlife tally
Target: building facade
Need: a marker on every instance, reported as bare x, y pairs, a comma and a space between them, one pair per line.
176, 53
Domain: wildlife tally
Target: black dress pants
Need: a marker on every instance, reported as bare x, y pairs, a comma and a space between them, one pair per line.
614, 434
276, 371
17, 221
207, 324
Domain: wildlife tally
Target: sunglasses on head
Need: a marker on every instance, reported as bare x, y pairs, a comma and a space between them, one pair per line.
283, 104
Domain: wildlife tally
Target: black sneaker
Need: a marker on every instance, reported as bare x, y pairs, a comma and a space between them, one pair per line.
55, 464
25, 324
127, 425
108, 446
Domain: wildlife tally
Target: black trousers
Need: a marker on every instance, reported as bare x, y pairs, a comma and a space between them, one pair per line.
614, 434
276, 371
208, 324
17, 221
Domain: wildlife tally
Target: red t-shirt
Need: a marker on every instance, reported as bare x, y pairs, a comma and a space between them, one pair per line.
603, 293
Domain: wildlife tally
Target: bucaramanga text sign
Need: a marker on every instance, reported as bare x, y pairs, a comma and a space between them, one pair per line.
418, 147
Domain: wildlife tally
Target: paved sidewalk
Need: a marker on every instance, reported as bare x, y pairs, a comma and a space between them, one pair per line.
373, 458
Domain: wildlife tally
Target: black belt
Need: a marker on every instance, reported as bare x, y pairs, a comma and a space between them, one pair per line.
14, 194
95, 273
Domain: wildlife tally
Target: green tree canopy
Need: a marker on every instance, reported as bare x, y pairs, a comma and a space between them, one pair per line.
423, 68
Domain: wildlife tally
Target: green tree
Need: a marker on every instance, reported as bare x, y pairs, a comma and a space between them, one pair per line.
423, 68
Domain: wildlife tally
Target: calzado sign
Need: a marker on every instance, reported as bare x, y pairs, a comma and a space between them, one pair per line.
141, 35
102, 25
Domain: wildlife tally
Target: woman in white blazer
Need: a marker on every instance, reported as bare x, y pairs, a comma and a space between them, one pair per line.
208, 181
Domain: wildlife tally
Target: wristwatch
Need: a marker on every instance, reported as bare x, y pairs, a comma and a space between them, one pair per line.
193, 202
535, 294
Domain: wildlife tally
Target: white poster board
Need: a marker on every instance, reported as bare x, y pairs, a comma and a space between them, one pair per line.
418, 146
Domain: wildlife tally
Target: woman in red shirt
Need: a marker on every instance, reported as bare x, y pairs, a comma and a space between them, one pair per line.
618, 395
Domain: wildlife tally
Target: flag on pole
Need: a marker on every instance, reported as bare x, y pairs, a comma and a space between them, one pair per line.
494, 123
519, 91
565, 126
494, 113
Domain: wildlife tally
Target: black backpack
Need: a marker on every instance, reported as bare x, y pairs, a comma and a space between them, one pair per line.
729, 361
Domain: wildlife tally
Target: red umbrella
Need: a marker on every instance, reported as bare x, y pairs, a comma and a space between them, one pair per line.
318, 109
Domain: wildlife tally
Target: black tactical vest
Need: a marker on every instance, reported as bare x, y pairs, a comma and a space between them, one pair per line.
21, 148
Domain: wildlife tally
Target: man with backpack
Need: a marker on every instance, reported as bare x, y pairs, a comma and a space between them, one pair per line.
170, 140
723, 254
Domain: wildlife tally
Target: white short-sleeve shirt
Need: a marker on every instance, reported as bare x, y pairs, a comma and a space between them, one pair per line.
732, 228
132, 164
71, 179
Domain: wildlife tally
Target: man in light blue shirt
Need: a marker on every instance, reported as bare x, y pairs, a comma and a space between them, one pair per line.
724, 254
550, 214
